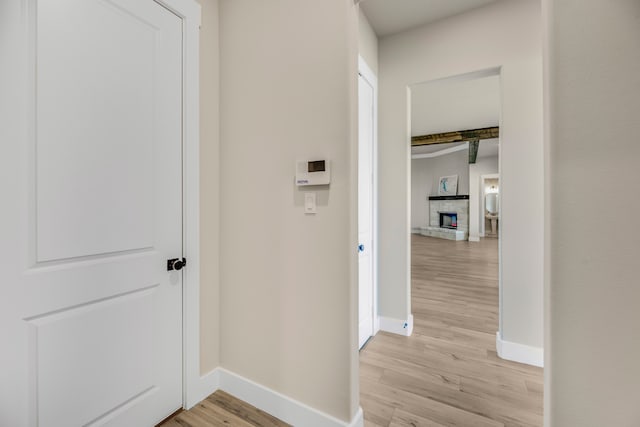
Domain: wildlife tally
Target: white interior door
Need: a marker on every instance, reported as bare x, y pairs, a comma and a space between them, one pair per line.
91, 318
365, 209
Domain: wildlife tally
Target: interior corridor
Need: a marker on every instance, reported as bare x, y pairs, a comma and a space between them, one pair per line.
448, 373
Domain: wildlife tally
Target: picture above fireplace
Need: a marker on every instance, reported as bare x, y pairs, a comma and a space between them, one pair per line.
448, 185
448, 220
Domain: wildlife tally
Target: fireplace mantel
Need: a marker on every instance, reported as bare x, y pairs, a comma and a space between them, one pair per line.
459, 197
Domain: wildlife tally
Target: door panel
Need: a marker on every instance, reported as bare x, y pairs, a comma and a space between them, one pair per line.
95, 129
91, 317
365, 210
99, 371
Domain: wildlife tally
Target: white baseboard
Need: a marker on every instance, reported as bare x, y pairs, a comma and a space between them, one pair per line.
206, 385
397, 326
376, 325
285, 408
520, 353
474, 238
358, 419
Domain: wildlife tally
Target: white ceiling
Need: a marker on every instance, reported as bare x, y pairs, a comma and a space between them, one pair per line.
488, 148
433, 148
453, 105
394, 16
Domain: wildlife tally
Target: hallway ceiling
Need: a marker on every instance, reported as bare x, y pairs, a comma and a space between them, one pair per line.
389, 17
451, 105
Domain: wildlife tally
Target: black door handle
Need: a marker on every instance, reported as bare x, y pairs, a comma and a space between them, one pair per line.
176, 264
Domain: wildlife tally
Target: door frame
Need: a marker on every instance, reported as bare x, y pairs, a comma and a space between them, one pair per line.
367, 73
190, 13
481, 228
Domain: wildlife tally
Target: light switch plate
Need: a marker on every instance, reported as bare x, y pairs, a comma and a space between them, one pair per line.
309, 203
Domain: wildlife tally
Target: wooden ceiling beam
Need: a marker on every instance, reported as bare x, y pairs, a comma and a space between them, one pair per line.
460, 136
473, 150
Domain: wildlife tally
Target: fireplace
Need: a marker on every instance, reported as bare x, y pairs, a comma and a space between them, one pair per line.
448, 220
448, 217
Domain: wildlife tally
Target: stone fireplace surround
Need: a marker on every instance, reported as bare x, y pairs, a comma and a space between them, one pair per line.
458, 204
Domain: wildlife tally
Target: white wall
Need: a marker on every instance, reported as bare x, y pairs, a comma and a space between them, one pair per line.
425, 176
593, 105
288, 280
367, 42
209, 188
505, 34
483, 166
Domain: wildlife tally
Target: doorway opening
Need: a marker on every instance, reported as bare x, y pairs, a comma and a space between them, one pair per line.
455, 261
490, 205
455, 171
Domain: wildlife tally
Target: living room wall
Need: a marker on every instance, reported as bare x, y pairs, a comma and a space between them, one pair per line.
425, 174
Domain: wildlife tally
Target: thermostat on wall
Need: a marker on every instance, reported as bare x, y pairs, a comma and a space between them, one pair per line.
313, 172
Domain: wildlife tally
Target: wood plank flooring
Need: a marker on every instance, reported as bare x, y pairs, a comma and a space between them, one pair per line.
447, 373
222, 409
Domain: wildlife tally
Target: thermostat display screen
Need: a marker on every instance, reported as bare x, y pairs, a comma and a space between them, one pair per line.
316, 166
313, 172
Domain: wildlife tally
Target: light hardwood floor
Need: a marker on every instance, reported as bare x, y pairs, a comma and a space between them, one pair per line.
222, 409
447, 373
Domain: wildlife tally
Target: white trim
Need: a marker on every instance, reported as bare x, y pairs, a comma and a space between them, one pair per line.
358, 419
519, 352
367, 73
439, 153
270, 401
187, 10
190, 13
474, 238
205, 386
397, 326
